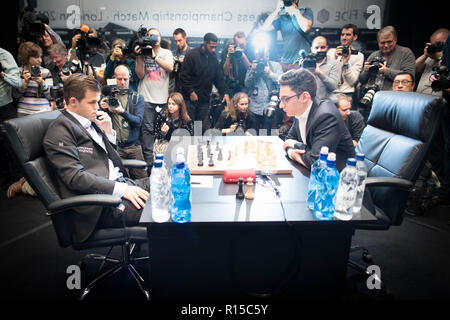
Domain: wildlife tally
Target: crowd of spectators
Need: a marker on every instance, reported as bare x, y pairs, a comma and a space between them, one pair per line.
161, 92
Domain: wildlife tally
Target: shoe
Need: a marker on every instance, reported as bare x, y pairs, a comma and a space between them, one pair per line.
15, 188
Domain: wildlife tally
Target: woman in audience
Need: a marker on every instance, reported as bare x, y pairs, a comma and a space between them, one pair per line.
234, 118
34, 94
168, 122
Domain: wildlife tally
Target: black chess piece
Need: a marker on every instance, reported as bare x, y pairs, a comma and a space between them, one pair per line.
240, 193
200, 162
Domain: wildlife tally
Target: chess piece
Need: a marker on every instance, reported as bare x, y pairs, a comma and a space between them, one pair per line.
249, 194
211, 161
240, 193
200, 162
220, 155
217, 146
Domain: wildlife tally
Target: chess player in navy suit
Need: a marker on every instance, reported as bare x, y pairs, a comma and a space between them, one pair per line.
317, 123
80, 146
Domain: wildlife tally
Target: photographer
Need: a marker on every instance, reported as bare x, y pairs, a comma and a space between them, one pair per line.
430, 60
261, 81
117, 57
384, 64
34, 94
9, 79
350, 60
61, 69
126, 110
85, 46
153, 67
234, 118
175, 117
403, 81
180, 39
294, 24
353, 119
326, 71
235, 63
49, 38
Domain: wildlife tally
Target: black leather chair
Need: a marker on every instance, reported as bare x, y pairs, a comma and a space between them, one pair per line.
25, 136
396, 143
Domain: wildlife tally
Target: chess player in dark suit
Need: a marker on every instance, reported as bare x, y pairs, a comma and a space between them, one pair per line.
317, 123
80, 146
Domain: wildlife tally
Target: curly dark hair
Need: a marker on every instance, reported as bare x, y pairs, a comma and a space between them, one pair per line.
300, 80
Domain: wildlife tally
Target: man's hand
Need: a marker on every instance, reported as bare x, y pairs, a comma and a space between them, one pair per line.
165, 128
103, 120
296, 156
289, 143
117, 53
193, 96
226, 98
136, 195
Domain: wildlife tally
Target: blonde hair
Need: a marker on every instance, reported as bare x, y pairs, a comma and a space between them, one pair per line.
231, 109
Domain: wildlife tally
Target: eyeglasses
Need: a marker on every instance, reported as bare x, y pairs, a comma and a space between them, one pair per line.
286, 99
403, 82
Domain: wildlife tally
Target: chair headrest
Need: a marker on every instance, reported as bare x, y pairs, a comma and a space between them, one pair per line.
27, 133
408, 113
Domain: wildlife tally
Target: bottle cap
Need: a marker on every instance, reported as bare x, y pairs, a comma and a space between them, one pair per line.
324, 150
180, 150
331, 156
180, 157
157, 164
360, 156
159, 156
351, 161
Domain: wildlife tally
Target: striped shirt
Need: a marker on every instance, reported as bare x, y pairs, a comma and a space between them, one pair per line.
33, 99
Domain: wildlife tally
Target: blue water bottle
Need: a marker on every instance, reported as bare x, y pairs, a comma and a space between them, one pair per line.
314, 181
181, 190
324, 205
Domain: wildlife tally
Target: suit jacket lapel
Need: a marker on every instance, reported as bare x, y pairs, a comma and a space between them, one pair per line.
312, 114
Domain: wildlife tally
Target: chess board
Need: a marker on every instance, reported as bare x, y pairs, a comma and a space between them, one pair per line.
259, 153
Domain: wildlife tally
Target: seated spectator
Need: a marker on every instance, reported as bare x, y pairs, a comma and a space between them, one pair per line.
431, 60
175, 117
327, 72
352, 119
118, 57
34, 94
403, 81
234, 118
127, 119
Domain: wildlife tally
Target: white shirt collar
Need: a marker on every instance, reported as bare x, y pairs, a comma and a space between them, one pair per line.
82, 120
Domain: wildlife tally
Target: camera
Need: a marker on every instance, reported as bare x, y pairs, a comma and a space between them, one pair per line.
57, 94
70, 67
435, 47
31, 25
86, 43
442, 81
374, 65
145, 42
308, 61
288, 3
237, 52
173, 123
110, 92
369, 93
273, 104
346, 51
35, 71
176, 64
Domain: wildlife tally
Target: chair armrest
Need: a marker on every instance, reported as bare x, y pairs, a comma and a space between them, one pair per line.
105, 200
131, 163
389, 182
